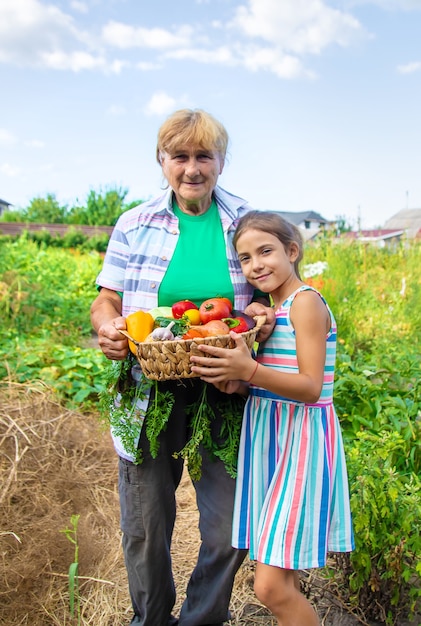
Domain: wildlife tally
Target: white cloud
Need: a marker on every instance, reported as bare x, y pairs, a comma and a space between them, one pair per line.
398, 5
222, 55
273, 60
37, 34
80, 7
6, 137
126, 36
116, 110
410, 68
35, 143
280, 34
74, 61
160, 104
272, 36
299, 26
252, 57
146, 66
9, 170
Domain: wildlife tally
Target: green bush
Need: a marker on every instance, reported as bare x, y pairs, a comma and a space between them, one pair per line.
382, 575
45, 297
375, 296
380, 408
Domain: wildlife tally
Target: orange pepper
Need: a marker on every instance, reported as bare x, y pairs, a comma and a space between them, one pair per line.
191, 334
139, 324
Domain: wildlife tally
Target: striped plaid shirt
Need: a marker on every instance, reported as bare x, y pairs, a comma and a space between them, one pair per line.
143, 243
141, 248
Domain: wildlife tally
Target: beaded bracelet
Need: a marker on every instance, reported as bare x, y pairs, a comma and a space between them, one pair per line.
254, 371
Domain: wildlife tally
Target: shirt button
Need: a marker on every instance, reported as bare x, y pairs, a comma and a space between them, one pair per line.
153, 285
164, 258
174, 232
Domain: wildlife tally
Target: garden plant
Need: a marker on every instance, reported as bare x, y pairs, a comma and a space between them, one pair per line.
45, 296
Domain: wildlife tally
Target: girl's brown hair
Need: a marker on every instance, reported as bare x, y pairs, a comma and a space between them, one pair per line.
273, 223
191, 127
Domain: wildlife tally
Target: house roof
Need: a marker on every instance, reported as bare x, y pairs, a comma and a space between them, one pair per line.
303, 216
4, 202
408, 220
375, 234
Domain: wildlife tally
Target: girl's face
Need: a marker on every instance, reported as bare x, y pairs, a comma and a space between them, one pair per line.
265, 262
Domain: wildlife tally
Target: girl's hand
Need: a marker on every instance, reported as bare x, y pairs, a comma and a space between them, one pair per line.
224, 364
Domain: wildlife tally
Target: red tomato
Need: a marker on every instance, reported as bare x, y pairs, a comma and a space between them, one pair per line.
213, 309
179, 308
227, 300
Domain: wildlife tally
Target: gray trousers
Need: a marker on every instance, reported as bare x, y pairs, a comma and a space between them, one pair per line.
148, 508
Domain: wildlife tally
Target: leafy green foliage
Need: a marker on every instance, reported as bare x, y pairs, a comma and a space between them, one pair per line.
45, 297
201, 415
375, 296
227, 450
224, 445
101, 208
375, 293
74, 596
121, 403
382, 574
382, 394
157, 416
45, 210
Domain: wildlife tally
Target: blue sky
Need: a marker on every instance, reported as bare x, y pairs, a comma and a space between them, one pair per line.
321, 99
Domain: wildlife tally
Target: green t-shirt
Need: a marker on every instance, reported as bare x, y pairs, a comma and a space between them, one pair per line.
199, 267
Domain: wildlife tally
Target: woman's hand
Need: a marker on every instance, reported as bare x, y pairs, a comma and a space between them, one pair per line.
224, 365
257, 308
113, 344
231, 386
107, 320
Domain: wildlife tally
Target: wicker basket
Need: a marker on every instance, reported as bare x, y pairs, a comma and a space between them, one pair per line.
170, 360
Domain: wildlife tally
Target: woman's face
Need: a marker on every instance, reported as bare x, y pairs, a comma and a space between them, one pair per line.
192, 173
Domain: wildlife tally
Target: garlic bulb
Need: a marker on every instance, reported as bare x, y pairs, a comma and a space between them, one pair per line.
163, 334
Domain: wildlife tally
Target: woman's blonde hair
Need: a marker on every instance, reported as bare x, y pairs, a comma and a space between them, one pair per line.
191, 127
273, 223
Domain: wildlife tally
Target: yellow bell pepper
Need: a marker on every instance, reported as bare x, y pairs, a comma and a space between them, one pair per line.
139, 324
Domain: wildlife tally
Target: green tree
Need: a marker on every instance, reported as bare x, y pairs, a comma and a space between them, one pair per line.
102, 208
343, 224
45, 210
12, 215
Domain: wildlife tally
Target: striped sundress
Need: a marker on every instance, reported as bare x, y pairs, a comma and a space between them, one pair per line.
292, 498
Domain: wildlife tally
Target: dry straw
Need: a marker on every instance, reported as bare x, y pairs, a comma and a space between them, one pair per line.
55, 463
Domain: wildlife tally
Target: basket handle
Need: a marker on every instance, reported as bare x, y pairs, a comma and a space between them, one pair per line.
126, 334
260, 320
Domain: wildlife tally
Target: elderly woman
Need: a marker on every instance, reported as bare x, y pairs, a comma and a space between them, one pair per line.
176, 246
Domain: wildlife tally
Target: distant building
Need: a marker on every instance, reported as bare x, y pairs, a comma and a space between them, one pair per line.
381, 237
4, 206
408, 220
309, 222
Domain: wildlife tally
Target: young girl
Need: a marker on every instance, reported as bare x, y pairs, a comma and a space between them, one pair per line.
292, 500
